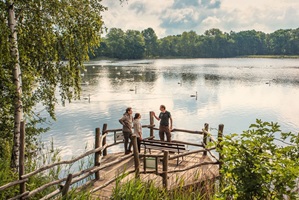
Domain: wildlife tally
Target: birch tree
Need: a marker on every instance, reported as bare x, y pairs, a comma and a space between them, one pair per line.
43, 47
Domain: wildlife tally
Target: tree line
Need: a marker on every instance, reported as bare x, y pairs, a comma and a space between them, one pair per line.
214, 43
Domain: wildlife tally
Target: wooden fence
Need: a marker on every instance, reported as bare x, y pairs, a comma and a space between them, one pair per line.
99, 152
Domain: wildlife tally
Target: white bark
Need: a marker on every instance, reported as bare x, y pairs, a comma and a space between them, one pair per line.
17, 80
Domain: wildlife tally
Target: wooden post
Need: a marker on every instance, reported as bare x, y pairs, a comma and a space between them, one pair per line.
152, 123
97, 154
22, 158
205, 137
220, 138
165, 170
136, 156
67, 184
104, 140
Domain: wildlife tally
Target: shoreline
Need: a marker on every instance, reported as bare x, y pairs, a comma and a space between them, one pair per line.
247, 56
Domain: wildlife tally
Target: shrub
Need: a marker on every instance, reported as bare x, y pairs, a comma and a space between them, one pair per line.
260, 163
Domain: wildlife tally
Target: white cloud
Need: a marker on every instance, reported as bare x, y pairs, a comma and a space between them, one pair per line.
211, 21
174, 16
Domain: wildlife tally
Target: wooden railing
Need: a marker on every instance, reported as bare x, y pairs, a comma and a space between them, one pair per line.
99, 152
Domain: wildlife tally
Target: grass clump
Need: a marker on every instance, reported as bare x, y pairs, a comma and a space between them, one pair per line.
137, 189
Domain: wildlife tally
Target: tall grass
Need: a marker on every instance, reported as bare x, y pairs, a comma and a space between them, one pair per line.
137, 189
43, 156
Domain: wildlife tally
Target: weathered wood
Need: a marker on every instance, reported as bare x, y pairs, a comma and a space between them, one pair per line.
63, 162
192, 167
22, 158
52, 194
152, 123
136, 156
164, 146
149, 138
43, 187
87, 173
150, 155
97, 154
11, 184
186, 131
220, 138
165, 170
111, 145
81, 173
20, 196
104, 140
190, 152
188, 143
205, 137
112, 130
174, 146
66, 187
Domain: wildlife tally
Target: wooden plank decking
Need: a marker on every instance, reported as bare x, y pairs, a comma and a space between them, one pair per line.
178, 177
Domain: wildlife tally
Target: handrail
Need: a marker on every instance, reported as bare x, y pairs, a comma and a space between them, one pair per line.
62, 162
190, 152
3, 187
80, 175
186, 131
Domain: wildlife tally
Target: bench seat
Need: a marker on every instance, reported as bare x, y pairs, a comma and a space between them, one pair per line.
172, 147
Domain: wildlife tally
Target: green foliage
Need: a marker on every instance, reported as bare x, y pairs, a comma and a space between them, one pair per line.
136, 189
33, 162
54, 38
150, 41
123, 45
6, 176
261, 163
213, 43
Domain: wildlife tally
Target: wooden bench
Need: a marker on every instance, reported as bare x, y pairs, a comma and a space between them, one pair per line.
172, 147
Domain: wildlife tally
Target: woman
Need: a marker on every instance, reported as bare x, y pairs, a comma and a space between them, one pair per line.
126, 121
137, 129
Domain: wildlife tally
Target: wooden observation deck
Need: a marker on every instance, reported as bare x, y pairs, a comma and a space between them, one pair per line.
167, 165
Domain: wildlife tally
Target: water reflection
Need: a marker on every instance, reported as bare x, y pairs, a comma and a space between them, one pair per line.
230, 91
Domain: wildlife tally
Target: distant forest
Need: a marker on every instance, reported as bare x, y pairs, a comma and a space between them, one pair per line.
214, 43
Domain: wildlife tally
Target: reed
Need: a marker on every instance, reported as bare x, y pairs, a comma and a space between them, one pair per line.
137, 189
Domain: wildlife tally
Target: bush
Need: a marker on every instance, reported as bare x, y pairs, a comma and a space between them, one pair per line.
261, 163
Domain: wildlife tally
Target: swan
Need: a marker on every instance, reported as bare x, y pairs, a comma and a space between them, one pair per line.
194, 95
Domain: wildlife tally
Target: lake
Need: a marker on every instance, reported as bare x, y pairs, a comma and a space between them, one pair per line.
234, 92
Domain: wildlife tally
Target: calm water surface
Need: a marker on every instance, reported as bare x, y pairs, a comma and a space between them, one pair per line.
233, 92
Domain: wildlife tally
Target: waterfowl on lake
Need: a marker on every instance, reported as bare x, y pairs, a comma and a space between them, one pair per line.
87, 98
85, 83
194, 95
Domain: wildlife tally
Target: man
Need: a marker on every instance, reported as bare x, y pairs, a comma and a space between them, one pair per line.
127, 121
164, 118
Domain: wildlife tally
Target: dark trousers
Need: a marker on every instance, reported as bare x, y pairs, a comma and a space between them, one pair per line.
138, 143
127, 137
164, 130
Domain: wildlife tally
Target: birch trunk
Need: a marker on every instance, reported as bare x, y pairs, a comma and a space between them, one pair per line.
17, 81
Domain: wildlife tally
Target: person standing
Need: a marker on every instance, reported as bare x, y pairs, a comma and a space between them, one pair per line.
165, 120
126, 121
137, 129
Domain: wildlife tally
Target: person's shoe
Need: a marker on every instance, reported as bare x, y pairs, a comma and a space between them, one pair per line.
128, 152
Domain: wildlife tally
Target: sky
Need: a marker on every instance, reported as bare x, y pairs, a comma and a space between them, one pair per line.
173, 17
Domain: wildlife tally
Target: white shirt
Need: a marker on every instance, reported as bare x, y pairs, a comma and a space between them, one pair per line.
137, 127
